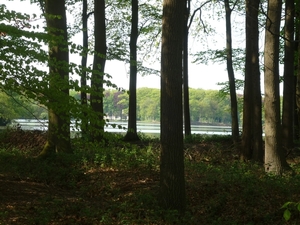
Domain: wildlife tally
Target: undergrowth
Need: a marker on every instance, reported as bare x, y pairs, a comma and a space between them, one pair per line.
118, 184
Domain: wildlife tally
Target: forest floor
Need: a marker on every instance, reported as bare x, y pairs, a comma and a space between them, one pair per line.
119, 185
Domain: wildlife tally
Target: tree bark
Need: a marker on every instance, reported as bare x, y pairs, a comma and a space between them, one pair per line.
297, 69
252, 112
58, 139
84, 120
297, 79
172, 182
274, 158
97, 121
186, 98
131, 134
233, 99
288, 75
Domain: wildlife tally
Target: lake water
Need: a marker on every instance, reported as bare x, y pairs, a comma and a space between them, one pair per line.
147, 128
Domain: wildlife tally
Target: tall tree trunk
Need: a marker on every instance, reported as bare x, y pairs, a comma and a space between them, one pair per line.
274, 158
252, 112
58, 105
84, 120
232, 88
131, 134
172, 182
186, 98
296, 121
297, 69
288, 85
297, 79
97, 122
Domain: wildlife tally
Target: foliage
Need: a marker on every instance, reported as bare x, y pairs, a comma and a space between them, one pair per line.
15, 106
118, 184
200, 138
7, 111
290, 206
148, 104
21, 51
23, 68
206, 106
118, 31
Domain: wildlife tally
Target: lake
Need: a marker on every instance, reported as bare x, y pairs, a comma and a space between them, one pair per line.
143, 127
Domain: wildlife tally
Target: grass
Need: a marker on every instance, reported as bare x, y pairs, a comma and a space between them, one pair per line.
119, 183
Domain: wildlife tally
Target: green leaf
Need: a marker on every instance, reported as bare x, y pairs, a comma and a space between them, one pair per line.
298, 206
286, 205
287, 214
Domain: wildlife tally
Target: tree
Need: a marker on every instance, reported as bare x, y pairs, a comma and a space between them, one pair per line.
148, 102
297, 68
230, 56
131, 134
172, 182
186, 102
288, 110
58, 94
21, 48
274, 158
97, 122
186, 98
7, 110
252, 108
297, 76
83, 79
231, 78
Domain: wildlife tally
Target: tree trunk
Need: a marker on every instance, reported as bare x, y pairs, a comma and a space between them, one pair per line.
172, 182
288, 85
131, 134
186, 99
252, 112
297, 79
58, 139
274, 157
234, 109
97, 121
84, 120
297, 69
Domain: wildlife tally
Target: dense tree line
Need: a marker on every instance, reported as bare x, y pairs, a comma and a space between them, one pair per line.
206, 106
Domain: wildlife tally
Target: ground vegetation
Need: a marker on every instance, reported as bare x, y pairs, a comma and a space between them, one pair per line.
118, 184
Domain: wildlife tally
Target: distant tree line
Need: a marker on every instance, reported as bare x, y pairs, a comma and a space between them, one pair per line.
207, 106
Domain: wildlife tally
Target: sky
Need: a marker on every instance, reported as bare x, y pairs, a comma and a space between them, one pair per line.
200, 76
